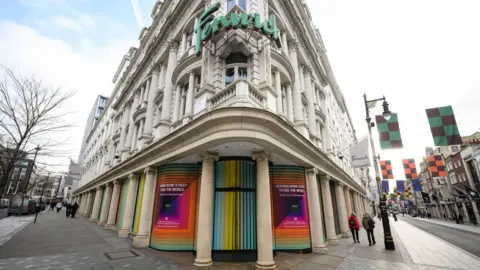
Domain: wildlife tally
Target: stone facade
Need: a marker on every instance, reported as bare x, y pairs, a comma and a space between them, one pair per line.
243, 96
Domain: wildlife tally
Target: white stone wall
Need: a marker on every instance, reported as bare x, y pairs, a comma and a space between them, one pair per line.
164, 67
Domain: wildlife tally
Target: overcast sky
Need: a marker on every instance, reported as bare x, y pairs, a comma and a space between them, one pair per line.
419, 54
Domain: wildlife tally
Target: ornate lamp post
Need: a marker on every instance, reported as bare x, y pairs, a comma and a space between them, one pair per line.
369, 104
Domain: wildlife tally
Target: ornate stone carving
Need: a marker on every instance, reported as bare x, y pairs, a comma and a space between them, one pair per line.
211, 156
325, 177
173, 45
312, 170
260, 155
150, 170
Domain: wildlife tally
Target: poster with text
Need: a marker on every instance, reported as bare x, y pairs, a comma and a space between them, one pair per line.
176, 198
290, 212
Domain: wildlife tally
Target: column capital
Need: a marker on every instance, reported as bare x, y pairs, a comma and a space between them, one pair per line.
260, 155
150, 170
99, 188
307, 69
276, 71
325, 177
288, 84
132, 176
155, 67
346, 187
312, 171
109, 184
173, 45
340, 184
209, 156
293, 45
116, 182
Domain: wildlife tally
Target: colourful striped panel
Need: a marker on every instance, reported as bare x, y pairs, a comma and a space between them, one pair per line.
175, 207
121, 203
101, 204
290, 212
138, 206
234, 210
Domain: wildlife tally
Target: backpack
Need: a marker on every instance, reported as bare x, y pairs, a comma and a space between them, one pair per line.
352, 222
371, 223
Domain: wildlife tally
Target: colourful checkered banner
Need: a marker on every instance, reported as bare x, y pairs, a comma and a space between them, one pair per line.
400, 186
389, 132
443, 126
436, 166
410, 168
417, 186
386, 167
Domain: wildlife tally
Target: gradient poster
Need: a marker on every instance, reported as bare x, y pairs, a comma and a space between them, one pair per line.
175, 207
290, 213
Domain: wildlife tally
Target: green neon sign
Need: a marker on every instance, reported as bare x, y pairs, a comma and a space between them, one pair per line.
208, 26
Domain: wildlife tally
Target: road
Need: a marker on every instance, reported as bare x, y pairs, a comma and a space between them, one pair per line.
465, 240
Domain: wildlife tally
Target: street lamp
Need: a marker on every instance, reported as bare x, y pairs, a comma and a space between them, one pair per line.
39, 206
369, 104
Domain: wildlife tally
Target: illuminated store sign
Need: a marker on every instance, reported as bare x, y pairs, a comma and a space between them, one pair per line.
208, 26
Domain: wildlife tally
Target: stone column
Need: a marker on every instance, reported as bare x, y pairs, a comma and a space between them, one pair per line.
96, 204
131, 127
123, 135
289, 102
328, 209
164, 127
140, 143
183, 44
311, 99
348, 201
315, 213
189, 101
176, 109
264, 213
284, 42
82, 203
297, 95
129, 207
205, 220
106, 204
112, 212
147, 131
278, 91
342, 210
88, 201
142, 239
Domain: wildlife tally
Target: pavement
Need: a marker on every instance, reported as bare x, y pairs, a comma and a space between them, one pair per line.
57, 242
452, 224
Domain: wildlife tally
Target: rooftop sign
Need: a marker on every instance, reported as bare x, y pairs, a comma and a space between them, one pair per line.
209, 26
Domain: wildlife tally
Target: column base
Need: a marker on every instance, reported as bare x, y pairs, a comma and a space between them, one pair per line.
123, 233
320, 250
101, 223
203, 263
265, 265
94, 219
141, 241
110, 227
333, 242
345, 234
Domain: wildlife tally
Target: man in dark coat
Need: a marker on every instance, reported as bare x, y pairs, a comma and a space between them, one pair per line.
73, 209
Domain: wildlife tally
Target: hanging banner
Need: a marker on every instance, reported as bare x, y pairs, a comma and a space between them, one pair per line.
175, 207
290, 212
360, 155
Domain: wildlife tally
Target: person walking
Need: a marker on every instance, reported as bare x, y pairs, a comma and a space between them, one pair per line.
369, 224
68, 208
354, 227
52, 205
73, 209
59, 206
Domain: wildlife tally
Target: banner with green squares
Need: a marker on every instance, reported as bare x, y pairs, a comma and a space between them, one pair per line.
389, 132
443, 126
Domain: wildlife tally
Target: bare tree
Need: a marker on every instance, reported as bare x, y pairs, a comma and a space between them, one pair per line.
30, 113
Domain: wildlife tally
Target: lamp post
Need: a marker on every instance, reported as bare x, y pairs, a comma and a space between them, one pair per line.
39, 207
369, 104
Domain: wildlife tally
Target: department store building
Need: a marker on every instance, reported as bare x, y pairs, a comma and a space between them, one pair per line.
226, 135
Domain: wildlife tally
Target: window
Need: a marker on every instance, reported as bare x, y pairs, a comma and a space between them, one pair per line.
464, 177
241, 3
284, 101
183, 99
22, 173
229, 75
236, 67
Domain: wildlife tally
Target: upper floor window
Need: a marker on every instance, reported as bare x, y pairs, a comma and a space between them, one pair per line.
236, 67
241, 3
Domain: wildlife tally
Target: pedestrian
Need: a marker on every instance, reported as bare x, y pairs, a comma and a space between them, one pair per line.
369, 224
52, 205
379, 216
394, 216
460, 218
68, 208
354, 227
59, 206
73, 209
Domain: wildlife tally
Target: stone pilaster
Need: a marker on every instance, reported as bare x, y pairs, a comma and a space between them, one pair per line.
205, 220
289, 102
315, 213
112, 212
348, 200
278, 90
129, 207
88, 204
190, 94
131, 127
142, 239
297, 95
328, 210
311, 99
123, 135
147, 130
264, 213
106, 205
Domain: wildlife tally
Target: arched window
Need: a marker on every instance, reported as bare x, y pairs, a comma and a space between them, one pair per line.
236, 67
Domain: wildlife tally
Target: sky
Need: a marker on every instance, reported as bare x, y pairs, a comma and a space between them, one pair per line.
419, 54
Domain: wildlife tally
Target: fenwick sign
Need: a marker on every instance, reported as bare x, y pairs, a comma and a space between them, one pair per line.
208, 26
